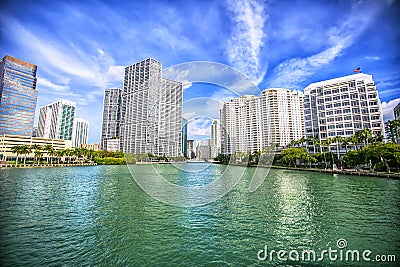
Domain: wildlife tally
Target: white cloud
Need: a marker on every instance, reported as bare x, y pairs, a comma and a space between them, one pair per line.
199, 127
176, 41
58, 58
289, 73
296, 70
247, 38
201, 107
387, 109
56, 88
211, 73
224, 95
115, 74
376, 58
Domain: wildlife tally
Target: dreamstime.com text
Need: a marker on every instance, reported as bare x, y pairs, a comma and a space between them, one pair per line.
338, 253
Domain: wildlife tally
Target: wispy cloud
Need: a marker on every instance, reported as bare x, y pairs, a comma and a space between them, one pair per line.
376, 58
294, 71
176, 42
57, 88
387, 109
59, 58
199, 127
247, 38
212, 73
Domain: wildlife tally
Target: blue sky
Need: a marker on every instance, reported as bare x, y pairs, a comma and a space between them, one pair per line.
81, 47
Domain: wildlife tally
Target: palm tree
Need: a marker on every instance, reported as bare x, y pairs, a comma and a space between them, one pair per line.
363, 136
353, 140
78, 153
327, 142
59, 154
346, 141
48, 148
51, 152
339, 140
88, 153
36, 148
25, 149
316, 142
38, 155
68, 153
302, 141
16, 150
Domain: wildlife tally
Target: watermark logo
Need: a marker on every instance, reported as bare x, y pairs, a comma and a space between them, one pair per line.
155, 182
340, 253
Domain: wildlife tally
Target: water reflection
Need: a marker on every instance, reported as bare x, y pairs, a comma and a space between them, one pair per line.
100, 216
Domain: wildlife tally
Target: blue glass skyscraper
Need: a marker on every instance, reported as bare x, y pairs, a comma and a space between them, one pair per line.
18, 96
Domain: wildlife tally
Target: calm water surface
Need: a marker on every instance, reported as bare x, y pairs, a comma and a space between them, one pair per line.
98, 215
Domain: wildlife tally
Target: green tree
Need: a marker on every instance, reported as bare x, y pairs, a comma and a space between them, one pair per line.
392, 129
16, 150
48, 148
35, 148
222, 158
25, 149
38, 155
354, 158
59, 154
364, 136
292, 155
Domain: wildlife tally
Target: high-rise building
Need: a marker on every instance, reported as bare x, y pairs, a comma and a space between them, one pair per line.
241, 125
110, 128
184, 137
18, 96
203, 149
282, 116
35, 132
190, 149
151, 111
80, 132
56, 120
254, 123
342, 106
215, 138
396, 111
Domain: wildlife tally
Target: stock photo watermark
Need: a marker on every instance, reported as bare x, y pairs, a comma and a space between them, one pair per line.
339, 253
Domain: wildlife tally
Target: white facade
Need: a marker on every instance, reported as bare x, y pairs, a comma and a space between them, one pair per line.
110, 128
282, 116
342, 106
112, 145
56, 120
190, 149
251, 123
203, 149
80, 132
396, 112
241, 125
151, 111
215, 138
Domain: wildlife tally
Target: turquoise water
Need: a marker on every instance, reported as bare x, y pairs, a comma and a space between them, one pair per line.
98, 215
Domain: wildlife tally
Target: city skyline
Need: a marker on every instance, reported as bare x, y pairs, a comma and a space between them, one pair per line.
290, 49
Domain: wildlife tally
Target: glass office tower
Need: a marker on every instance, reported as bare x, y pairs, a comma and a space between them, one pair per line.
18, 96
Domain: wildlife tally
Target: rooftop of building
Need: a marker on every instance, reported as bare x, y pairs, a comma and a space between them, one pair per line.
144, 61
357, 76
280, 90
19, 61
63, 101
81, 120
